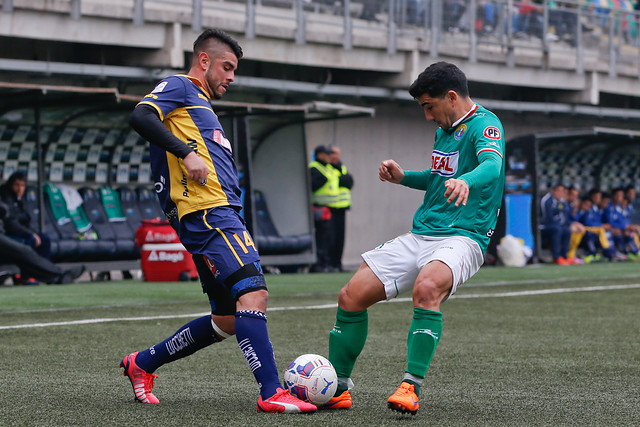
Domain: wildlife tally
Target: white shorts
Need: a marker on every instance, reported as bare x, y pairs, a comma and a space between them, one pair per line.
398, 262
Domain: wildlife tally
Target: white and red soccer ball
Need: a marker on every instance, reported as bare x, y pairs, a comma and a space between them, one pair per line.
311, 378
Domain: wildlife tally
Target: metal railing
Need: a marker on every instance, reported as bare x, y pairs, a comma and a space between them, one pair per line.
572, 34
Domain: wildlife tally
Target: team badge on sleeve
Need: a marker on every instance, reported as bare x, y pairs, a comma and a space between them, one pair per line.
159, 88
492, 132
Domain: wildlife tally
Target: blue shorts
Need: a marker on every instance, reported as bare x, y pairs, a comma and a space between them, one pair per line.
225, 255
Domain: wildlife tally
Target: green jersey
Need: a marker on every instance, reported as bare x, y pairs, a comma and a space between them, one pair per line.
472, 150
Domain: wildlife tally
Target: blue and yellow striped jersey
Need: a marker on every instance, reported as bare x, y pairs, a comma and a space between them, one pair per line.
185, 109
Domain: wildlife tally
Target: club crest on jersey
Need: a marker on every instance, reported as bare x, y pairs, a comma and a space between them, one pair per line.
492, 132
220, 139
159, 88
460, 130
444, 164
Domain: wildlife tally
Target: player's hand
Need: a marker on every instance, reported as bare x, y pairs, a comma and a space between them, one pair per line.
37, 239
457, 188
391, 171
197, 169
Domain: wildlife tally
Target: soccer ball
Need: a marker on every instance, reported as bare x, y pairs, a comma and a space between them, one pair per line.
311, 378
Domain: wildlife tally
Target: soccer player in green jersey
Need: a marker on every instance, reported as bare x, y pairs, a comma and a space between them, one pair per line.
451, 230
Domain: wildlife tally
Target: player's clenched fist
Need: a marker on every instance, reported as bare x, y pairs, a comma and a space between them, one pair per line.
197, 169
391, 171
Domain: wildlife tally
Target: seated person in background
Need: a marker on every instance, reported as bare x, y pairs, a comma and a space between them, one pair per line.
555, 223
576, 228
573, 198
595, 234
618, 215
634, 203
18, 221
28, 261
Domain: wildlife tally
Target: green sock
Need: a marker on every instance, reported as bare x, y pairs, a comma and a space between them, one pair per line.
346, 341
424, 334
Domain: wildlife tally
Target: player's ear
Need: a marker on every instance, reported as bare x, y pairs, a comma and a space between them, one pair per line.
204, 60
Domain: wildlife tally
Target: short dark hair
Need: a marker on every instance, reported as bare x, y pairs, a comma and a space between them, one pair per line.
16, 176
213, 33
438, 79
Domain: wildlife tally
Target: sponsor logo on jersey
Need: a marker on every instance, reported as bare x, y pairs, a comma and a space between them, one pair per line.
460, 130
159, 185
444, 164
212, 267
159, 88
492, 132
220, 139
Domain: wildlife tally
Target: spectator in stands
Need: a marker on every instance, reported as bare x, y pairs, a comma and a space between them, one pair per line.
451, 14
416, 12
555, 223
28, 261
369, 10
528, 22
618, 215
595, 234
339, 209
18, 222
486, 17
324, 193
563, 21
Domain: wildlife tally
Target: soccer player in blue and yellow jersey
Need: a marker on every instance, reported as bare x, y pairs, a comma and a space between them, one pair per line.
451, 230
197, 183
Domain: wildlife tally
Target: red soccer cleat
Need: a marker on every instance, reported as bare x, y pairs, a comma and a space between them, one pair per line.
141, 380
285, 402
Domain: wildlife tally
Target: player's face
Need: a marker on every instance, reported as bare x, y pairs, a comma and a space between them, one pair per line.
221, 74
19, 187
439, 110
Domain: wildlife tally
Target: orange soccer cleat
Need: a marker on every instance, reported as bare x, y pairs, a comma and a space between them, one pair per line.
405, 399
342, 401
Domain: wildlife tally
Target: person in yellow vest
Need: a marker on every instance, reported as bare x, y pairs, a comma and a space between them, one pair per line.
324, 193
339, 209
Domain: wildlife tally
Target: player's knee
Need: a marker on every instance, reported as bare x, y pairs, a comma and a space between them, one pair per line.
352, 300
427, 292
224, 326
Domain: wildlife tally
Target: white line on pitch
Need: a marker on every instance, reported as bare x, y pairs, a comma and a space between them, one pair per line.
333, 305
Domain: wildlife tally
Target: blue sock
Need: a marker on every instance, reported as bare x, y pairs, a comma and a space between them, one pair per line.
253, 340
193, 336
